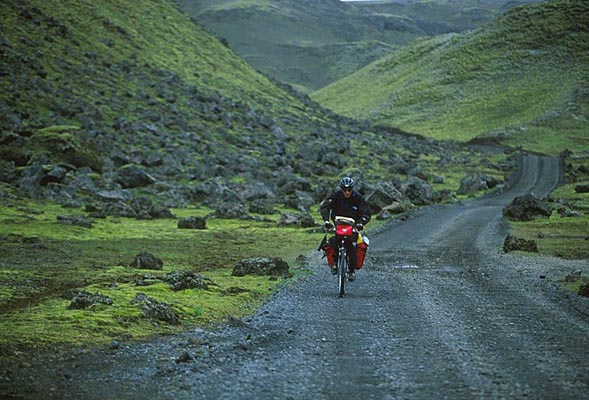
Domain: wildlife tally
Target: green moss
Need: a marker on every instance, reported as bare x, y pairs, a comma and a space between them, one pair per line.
34, 277
566, 237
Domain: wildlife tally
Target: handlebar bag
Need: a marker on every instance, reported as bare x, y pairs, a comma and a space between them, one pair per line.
344, 230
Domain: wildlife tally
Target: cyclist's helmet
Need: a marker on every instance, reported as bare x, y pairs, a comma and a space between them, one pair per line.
346, 183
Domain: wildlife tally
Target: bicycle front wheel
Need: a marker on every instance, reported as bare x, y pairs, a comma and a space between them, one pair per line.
342, 268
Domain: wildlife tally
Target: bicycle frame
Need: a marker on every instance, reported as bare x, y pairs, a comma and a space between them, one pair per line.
344, 229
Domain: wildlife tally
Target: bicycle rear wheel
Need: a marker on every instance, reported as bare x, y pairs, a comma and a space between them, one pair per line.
342, 269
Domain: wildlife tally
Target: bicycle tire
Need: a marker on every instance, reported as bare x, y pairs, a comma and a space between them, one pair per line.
342, 270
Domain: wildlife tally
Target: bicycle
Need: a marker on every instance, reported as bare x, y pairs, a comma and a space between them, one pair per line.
344, 233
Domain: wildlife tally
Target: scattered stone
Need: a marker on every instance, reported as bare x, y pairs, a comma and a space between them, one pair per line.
512, 243
304, 220
132, 176
584, 290
156, 310
83, 299
380, 198
397, 208
475, 182
146, 260
568, 213
582, 188
145, 209
525, 208
192, 223
181, 280
261, 266
230, 211
184, 357
444, 196
418, 191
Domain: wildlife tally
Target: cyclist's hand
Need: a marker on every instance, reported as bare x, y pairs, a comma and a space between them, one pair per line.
328, 225
359, 227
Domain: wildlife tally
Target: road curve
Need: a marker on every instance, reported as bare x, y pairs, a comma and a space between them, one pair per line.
438, 312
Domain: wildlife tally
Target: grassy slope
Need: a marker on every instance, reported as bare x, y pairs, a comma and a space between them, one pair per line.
523, 76
79, 39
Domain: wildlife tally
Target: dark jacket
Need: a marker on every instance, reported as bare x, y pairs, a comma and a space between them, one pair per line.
337, 205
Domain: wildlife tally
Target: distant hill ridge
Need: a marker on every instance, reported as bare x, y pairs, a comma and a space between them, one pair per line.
523, 77
309, 44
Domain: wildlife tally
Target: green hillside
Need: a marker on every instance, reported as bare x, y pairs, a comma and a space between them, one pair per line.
137, 98
60, 44
523, 78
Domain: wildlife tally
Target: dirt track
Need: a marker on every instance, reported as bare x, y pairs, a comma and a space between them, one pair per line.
439, 311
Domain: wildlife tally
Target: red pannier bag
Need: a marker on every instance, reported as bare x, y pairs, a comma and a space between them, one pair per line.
329, 252
361, 254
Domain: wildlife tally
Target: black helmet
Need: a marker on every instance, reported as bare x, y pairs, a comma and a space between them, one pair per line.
346, 183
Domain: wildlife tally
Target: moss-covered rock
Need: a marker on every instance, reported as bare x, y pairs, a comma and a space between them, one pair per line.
60, 144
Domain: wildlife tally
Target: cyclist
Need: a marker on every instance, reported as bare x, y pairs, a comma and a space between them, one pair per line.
346, 202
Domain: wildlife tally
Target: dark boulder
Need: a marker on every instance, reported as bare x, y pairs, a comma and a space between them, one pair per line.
264, 207
418, 191
156, 310
299, 200
8, 171
115, 209
230, 211
145, 209
81, 299
444, 196
29, 182
258, 191
381, 197
114, 195
582, 188
261, 266
513, 243
192, 223
55, 174
132, 176
304, 220
584, 290
525, 208
476, 182
214, 191
182, 280
146, 260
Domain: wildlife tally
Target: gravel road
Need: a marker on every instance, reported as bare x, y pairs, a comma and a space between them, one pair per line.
439, 311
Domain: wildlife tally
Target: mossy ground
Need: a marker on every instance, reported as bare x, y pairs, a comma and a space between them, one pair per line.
566, 237
35, 273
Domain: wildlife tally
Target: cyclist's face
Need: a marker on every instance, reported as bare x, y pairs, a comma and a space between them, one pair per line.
347, 192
